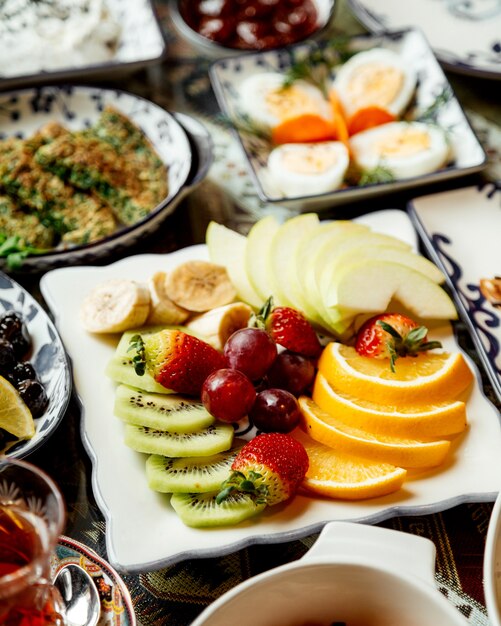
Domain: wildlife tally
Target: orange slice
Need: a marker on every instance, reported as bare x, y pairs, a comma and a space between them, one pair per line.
337, 475
419, 421
369, 117
383, 448
423, 379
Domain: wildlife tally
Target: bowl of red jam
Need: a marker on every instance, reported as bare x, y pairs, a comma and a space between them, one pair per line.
222, 27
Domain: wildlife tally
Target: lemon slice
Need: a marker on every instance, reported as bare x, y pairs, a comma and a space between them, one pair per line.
423, 379
397, 451
15, 417
409, 420
342, 476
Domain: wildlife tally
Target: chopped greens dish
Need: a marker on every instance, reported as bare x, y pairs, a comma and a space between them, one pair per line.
62, 188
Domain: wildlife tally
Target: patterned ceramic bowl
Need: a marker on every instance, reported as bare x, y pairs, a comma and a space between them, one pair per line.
210, 48
48, 357
182, 143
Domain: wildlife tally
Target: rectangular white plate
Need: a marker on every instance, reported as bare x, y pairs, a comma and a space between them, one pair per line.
144, 533
469, 156
140, 43
462, 232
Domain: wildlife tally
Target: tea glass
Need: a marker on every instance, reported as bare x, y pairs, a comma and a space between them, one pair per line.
32, 516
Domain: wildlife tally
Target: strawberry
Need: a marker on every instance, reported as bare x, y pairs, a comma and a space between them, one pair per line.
289, 328
176, 360
270, 467
392, 335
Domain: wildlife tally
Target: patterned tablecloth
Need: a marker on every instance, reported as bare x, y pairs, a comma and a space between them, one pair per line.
177, 594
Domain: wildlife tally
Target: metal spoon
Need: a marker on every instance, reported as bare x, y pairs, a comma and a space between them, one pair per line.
79, 594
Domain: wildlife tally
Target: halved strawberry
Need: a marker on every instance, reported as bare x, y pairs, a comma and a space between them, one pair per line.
289, 328
176, 360
270, 468
392, 335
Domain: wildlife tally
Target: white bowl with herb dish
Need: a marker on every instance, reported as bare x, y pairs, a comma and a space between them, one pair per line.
41, 42
219, 29
354, 575
492, 566
85, 172
419, 111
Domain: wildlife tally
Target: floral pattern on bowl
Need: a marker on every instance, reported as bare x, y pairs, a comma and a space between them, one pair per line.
48, 357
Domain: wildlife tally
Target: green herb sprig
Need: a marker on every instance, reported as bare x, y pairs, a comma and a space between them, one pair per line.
15, 251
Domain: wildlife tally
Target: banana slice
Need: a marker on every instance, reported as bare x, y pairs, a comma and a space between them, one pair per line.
115, 306
199, 286
163, 310
218, 324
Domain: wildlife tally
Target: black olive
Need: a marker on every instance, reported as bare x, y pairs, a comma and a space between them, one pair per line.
21, 371
33, 395
21, 342
10, 324
7, 357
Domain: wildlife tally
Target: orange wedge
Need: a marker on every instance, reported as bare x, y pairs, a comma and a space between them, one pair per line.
383, 448
417, 421
337, 475
424, 379
368, 117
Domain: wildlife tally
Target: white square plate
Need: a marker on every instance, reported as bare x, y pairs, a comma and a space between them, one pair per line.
140, 43
469, 156
144, 533
461, 230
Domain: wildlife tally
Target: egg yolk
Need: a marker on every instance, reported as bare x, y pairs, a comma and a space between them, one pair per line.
403, 144
313, 159
374, 83
290, 102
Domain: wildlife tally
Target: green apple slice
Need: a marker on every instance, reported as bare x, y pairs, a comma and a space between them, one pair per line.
369, 286
282, 252
256, 255
227, 248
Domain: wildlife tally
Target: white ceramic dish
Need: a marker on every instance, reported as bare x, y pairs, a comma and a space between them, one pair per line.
492, 566
412, 47
213, 50
119, 480
181, 142
354, 575
461, 229
140, 43
47, 357
463, 35
116, 603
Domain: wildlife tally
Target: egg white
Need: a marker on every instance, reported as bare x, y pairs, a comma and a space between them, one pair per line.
305, 169
376, 77
265, 100
406, 149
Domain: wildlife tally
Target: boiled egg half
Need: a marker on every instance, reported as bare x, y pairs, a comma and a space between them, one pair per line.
406, 149
373, 87
298, 170
293, 113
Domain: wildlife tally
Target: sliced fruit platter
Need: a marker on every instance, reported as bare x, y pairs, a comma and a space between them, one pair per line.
210, 404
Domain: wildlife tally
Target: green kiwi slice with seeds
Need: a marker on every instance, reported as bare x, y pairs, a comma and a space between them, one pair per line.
169, 412
200, 510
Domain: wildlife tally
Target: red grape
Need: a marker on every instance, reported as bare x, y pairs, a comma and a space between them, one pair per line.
291, 371
275, 411
250, 350
228, 395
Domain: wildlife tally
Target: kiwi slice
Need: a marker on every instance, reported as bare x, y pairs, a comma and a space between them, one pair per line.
160, 411
201, 510
196, 474
202, 442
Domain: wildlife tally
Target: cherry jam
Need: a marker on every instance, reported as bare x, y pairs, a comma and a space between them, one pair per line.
251, 24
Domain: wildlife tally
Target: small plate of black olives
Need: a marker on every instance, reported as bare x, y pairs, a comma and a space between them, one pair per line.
33, 360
